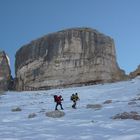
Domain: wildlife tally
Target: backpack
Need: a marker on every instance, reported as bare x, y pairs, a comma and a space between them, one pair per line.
72, 97
55, 98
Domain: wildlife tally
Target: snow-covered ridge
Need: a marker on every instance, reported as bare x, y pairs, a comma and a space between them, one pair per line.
78, 124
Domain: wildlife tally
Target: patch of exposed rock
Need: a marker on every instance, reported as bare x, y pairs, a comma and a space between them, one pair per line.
127, 115
107, 102
74, 56
16, 109
55, 114
132, 103
135, 73
136, 99
94, 106
5, 72
32, 115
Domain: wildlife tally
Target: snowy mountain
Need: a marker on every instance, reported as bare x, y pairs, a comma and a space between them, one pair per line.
23, 114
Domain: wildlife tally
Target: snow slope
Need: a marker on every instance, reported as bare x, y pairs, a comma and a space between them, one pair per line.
77, 124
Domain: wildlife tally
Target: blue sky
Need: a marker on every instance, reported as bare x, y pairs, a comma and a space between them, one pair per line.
22, 21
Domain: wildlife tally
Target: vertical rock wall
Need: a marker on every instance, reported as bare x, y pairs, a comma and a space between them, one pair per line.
69, 57
5, 72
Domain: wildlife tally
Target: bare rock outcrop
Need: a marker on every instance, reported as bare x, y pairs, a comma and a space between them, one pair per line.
55, 114
127, 115
135, 73
5, 72
107, 102
70, 57
16, 109
94, 106
32, 115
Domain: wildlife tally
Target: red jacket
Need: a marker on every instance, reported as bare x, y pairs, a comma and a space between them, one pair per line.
59, 99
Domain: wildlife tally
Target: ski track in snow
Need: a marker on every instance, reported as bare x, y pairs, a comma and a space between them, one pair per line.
77, 124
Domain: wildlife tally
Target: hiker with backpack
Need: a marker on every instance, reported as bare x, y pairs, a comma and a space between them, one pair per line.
74, 98
58, 100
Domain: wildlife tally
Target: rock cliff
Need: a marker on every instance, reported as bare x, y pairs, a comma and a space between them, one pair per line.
68, 57
5, 72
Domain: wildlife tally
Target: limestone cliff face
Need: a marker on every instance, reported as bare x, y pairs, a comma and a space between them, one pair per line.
65, 58
5, 71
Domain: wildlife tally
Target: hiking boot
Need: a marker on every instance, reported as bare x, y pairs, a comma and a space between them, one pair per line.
74, 107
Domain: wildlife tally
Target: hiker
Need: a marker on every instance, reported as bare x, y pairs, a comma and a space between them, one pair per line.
74, 98
58, 100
